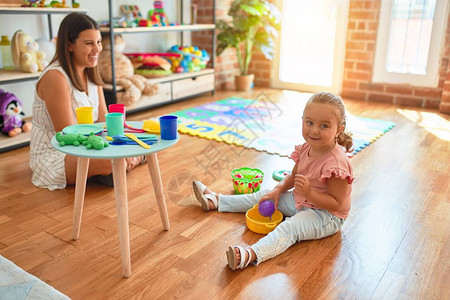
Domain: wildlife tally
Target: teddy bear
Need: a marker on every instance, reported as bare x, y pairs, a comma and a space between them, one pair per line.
11, 123
135, 85
25, 53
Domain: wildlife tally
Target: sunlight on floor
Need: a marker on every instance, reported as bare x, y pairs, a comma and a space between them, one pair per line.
431, 122
270, 287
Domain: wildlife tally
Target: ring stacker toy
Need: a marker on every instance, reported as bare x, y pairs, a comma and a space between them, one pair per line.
280, 174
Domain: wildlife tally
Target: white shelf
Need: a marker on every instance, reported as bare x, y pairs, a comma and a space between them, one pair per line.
38, 10
172, 77
8, 143
7, 76
195, 27
13, 76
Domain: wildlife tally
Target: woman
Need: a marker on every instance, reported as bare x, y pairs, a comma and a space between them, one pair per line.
71, 80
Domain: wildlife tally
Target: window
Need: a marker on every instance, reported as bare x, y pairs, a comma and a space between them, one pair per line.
410, 40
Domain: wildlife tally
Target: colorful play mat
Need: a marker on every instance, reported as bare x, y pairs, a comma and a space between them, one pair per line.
262, 125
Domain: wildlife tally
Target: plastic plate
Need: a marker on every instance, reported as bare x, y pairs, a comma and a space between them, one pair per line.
85, 129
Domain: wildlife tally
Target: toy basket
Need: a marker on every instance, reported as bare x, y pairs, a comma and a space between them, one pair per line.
246, 180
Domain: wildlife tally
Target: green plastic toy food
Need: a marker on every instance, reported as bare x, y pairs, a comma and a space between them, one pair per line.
70, 139
95, 142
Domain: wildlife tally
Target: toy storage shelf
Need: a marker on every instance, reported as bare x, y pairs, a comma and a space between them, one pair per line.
174, 87
39, 10
195, 27
8, 143
14, 76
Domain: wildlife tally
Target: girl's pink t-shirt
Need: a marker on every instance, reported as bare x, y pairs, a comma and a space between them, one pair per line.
333, 164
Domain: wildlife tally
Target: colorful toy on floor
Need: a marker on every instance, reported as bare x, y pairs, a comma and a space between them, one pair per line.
260, 224
246, 180
191, 59
280, 174
266, 208
75, 139
11, 123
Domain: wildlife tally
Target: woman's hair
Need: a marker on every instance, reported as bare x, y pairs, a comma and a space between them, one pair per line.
69, 30
344, 138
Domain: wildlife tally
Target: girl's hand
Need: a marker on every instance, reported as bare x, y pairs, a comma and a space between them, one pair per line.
272, 195
302, 185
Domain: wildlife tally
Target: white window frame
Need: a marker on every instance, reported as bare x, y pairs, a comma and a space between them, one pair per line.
431, 78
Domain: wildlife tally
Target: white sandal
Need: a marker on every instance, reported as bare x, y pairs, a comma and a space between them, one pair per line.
199, 190
232, 259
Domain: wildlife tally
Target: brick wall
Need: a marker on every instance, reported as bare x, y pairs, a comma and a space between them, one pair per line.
226, 65
359, 60
360, 54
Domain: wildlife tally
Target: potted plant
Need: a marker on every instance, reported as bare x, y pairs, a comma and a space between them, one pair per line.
253, 27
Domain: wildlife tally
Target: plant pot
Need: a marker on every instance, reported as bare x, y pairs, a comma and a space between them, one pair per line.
244, 82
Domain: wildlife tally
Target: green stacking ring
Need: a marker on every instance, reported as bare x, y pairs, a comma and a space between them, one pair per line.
280, 174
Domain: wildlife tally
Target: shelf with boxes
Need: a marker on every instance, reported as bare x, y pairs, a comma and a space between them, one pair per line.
14, 76
173, 87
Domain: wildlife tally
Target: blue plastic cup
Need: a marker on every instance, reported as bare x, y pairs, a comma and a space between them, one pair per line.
114, 124
169, 127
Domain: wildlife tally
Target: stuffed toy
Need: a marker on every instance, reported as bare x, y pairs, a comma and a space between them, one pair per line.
25, 53
11, 123
135, 85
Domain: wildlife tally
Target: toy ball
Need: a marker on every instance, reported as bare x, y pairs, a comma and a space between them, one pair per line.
179, 69
266, 208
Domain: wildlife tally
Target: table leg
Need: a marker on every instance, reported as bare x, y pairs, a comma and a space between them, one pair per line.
80, 188
153, 166
120, 193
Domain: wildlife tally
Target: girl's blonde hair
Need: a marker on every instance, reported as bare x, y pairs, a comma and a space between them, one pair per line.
344, 138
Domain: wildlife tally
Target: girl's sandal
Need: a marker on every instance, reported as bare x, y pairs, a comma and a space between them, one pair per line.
199, 190
232, 257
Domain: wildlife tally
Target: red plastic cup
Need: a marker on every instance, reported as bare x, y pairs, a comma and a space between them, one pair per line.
118, 108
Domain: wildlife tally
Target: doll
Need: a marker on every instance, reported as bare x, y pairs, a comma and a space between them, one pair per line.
11, 123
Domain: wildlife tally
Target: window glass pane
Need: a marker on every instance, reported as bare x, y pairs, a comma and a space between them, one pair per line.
409, 36
308, 41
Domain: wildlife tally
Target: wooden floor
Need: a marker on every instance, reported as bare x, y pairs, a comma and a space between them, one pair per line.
394, 245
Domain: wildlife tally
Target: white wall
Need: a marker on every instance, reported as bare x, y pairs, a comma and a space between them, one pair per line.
37, 27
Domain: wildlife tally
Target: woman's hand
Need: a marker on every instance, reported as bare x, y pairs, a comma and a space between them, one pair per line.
272, 195
302, 185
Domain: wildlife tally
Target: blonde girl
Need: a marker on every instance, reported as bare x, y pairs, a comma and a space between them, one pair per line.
315, 198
